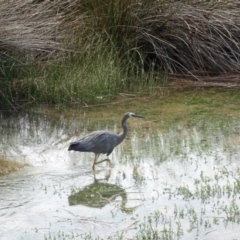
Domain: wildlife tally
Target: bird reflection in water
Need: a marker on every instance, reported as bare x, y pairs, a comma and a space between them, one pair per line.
98, 194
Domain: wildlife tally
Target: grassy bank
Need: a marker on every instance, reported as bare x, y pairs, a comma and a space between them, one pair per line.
93, 77
85, 52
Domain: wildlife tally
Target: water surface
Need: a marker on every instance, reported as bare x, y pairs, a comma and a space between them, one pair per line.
176, 175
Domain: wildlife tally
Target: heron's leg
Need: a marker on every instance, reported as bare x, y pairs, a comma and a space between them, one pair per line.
105, 160
95, 161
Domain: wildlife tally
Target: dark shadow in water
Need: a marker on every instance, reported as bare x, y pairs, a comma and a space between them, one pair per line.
98, 194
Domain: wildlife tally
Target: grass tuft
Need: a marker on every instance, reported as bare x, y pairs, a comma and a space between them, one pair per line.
81, 51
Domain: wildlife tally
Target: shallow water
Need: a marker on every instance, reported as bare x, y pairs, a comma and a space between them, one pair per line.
179, 178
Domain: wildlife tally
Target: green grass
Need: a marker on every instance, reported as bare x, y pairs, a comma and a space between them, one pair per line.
93, 50
86, 78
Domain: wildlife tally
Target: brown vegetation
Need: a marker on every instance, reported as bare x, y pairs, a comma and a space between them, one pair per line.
9, 166
38, 38
183, 35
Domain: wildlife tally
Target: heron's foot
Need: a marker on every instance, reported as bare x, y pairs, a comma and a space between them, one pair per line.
109, 163
108, 175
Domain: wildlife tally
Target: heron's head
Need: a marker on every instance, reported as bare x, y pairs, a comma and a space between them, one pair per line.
130, 114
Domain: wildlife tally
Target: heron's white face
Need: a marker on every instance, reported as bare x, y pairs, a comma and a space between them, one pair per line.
134, 115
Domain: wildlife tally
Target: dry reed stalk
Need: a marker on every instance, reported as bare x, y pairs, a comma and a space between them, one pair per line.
27, 26
187, 38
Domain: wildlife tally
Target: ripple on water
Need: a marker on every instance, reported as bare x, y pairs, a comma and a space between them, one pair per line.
183, 178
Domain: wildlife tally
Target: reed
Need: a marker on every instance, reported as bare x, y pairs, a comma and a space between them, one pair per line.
81, 51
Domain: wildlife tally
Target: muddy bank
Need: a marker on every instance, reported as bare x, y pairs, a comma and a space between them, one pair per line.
7, 166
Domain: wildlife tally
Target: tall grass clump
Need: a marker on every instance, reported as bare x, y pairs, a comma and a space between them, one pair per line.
83, 78
82, 51
181, 36
28, 40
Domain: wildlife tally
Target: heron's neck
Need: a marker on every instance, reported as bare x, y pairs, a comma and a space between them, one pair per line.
123, 134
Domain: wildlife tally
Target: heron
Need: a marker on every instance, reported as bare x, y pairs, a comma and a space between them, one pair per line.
102, 142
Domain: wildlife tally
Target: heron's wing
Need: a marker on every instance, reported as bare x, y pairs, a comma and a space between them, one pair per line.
97, 142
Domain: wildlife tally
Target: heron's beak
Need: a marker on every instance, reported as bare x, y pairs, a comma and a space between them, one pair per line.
137, 116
